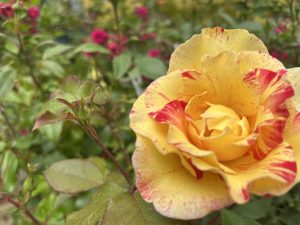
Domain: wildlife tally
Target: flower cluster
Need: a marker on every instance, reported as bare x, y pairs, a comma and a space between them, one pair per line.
6, 10
33, 14
142, 12
99, 36
223, 123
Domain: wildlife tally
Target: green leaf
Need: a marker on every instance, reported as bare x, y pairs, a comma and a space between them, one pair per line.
231, 218
7, 78
289, 216
132, 210
112, 204
11, 46
52, 67
94, 210
91, 47
55, 51
70, 85
100, 163
52, 131
255, 209
9, 166
49, 118
151, 67
121, 64
74, 175
250, 25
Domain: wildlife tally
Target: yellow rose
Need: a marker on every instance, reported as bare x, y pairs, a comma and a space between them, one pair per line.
223, 123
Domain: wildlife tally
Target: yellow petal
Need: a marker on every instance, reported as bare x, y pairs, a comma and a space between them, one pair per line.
144, 125
205, 160
222, 80
173, 190
213, 41
164, 90
224, 145
196, 105
293, 76
277, 172
159, 93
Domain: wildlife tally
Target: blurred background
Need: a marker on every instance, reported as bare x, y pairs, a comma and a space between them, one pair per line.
121, 46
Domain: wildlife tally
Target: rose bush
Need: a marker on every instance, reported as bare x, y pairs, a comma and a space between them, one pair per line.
223, 123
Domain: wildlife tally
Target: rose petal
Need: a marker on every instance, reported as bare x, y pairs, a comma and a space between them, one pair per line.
293, 75
278, 169
213, 41
174, 192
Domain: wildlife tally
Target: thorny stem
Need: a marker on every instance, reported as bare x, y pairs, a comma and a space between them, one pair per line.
121, 146
116, 135
8, 123
117, 21
18, 205
28, 62
294, 25
93, 134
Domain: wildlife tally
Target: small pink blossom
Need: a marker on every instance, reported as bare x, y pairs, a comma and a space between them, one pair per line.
6, 10
142, 12
279, 55
281, 28
115, 46
154, 53
148, 36
89, 54
33, 12
99, 36
24, 132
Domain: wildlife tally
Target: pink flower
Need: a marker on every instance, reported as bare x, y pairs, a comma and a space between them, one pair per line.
281, 28
24, 132
279, 55
89, 54
115, 46
33, 12
154, 53
142, 12
6, 10
99, 36
148, 36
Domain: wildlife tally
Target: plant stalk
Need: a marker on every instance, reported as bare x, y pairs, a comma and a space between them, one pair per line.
18, 205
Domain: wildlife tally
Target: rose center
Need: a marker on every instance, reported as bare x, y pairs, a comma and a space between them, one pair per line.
224, 131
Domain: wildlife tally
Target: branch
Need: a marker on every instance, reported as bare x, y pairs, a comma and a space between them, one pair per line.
93, 134
29, 63
8, 123
117, 21
18, 205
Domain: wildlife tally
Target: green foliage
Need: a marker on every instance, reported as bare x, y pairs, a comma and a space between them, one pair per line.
90, 48
112, 204
121, 64
74, 175
7, 78
9, 166
231, 218
60, 74
151, 67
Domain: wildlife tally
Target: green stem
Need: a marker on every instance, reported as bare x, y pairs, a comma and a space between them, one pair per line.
29, 63
7, 121
117, 21
93, 134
